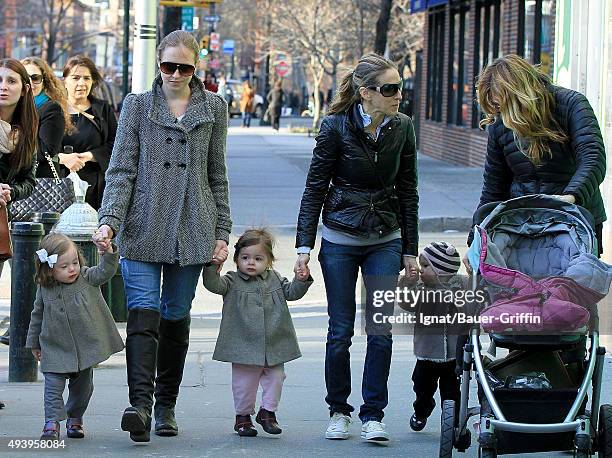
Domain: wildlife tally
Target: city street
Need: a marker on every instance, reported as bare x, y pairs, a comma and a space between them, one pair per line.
267, 172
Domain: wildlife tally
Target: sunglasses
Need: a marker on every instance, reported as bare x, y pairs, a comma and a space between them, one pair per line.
36, 78
169, 68
389, 89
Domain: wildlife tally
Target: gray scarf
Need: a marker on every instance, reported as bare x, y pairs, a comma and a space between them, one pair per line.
8, 138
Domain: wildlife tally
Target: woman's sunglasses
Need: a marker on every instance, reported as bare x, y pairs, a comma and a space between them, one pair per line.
389, 89
36, 78
169, 68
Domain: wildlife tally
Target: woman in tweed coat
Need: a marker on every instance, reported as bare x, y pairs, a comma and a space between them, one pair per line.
167, 201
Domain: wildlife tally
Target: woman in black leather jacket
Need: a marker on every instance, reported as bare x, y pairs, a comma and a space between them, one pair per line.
543, 139
363, 176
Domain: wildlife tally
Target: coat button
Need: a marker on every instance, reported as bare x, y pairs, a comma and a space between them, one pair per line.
183, 166
167, 165
61, 309
168, 140
183, 141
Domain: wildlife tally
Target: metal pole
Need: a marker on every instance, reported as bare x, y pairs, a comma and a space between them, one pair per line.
26, 239
126, 47
145, 35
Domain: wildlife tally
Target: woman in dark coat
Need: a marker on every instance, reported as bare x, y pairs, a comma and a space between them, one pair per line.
275, 99
52, 106
543, 139
363, 176
95, 127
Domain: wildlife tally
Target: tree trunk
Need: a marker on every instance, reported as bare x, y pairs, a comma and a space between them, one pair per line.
317, 76
382, 26
51, 48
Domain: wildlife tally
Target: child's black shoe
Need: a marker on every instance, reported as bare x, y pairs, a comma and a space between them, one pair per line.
268, 422
417, 424
51, 431
74, 428
244, 426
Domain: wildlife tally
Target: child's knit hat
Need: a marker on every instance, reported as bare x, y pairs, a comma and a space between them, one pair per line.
444, 258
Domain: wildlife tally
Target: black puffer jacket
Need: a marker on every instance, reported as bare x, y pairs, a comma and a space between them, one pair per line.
577, 167
343, 183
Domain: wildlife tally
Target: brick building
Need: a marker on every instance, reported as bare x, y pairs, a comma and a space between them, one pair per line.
460, 38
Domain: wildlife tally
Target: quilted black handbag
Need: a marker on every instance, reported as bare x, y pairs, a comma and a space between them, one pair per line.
50, 195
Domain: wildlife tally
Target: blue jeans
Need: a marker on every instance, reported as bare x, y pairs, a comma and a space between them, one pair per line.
246, 118
143, 287
340, 264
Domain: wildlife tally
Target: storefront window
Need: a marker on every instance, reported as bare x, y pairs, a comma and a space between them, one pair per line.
487, 43
458, 84
435, 65
539, 28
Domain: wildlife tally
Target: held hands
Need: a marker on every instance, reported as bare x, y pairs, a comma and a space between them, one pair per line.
37, 354
411, 268
220, 254
102, 239
301, 269
75, 161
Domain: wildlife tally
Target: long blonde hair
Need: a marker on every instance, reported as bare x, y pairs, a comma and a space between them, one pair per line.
518, 92
53, 87
369, 68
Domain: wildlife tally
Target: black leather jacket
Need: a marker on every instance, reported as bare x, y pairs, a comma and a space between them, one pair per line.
343, 183
576, 167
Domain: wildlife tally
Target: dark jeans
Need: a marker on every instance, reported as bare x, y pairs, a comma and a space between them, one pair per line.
425, 377
246, 118
380, 264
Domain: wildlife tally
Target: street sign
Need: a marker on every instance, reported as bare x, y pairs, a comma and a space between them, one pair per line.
228, 47
215, 64
187, 18
212, 18
282, 68
214, 42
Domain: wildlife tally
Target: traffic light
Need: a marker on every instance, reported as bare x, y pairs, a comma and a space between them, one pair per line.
204, 41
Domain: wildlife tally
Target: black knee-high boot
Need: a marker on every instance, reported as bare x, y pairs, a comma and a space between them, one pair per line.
171, 354
141, 355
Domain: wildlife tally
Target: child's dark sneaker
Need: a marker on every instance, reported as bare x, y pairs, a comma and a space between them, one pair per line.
51, 431
244, 426
417, 424
268, 422
74, 428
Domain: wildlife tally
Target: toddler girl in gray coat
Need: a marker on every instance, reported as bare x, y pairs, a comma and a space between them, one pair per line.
257, 334
71, 329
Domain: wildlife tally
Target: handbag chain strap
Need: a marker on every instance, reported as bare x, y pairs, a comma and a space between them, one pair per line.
56, 177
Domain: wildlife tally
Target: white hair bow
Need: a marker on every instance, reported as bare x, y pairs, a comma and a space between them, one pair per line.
44, 257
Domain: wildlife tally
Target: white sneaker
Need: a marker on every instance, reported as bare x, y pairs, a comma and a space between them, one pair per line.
374, 431
338, 426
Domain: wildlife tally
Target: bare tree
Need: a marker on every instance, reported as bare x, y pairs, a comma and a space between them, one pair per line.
405, 33
382, 26
54, 13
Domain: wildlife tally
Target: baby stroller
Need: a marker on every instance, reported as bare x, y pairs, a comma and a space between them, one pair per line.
515, 243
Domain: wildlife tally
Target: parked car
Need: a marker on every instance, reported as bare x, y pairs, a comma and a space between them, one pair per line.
233, 93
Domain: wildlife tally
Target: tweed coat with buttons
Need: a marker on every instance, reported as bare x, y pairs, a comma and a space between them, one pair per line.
166, 193
256, 326
71, 323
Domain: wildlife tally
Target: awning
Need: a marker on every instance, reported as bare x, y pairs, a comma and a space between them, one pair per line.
422, 5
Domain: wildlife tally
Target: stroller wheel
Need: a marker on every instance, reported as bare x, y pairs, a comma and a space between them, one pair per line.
487, 452
447, 429
604, 435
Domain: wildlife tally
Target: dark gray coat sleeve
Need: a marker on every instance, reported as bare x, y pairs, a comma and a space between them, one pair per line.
295, 289
588, 146
122, 168
214, 282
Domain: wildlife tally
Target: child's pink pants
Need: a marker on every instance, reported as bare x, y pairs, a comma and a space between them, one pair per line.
246, 378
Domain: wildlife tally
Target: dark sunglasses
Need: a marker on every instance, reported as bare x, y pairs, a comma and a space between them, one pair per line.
36, 78
389, 89
169, 68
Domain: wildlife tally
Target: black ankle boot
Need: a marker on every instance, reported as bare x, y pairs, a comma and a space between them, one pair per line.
171, 354
141, 355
